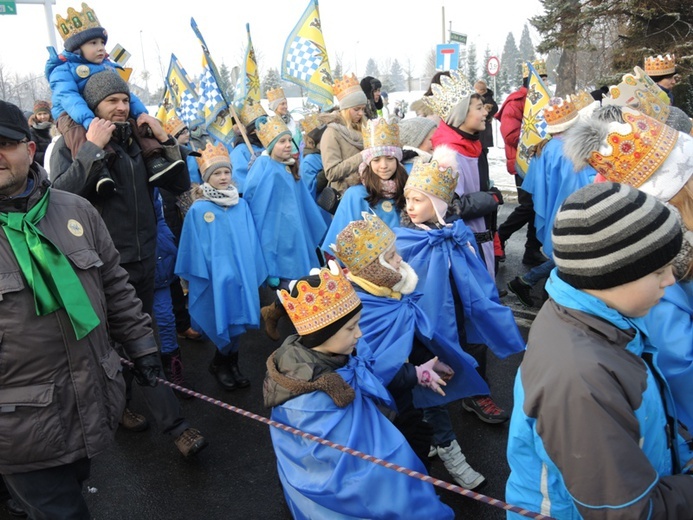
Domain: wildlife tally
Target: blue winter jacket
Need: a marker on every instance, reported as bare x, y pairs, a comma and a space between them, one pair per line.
67, 86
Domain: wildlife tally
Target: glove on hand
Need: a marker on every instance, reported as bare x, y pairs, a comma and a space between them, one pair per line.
428, 377
496, 193
147, 369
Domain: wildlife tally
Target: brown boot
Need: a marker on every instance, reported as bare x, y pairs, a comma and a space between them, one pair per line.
271, 314
133, 422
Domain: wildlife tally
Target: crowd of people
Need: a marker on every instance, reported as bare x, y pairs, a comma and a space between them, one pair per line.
378, 239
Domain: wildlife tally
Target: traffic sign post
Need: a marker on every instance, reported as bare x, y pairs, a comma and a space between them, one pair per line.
8, 7
493, 66
448, 56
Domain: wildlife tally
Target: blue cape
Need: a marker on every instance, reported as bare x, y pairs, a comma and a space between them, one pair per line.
351, 206
287, 218
240, 157
219, 255
321, 482
434, 255
389, 325
309, 168
550, 179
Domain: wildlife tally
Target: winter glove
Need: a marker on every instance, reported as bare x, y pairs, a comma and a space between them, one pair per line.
496, 193
147, 369
428, 377
443, 370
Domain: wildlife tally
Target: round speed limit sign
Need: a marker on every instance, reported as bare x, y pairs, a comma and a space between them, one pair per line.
493, 65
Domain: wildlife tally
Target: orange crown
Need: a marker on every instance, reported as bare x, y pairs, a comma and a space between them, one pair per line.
310, 122
345, 86
213, 156
250, 112
660, 66
559, 114
275, 94
581, 99
173, 126
317, 307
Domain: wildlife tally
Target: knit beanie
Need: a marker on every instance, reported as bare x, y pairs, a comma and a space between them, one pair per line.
413, 131
101, 85
42, 106
74, 42
609, 234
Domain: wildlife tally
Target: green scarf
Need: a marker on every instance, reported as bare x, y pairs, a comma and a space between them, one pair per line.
49, 274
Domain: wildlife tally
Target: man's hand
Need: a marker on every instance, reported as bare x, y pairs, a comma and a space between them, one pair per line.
147, 369
100, 132
154, 125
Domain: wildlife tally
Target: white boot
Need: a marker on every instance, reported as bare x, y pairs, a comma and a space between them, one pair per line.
457, 465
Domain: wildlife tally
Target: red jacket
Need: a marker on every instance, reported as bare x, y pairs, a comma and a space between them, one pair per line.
510, 117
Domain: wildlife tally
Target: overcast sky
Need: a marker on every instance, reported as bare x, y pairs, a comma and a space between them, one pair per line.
354, 30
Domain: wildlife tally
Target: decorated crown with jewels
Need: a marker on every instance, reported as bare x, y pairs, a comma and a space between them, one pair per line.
660, 65
310, 122
559, 114
363, 241
635, 150
76, 22
539, 66
269, 128
345, 86
638, 91
451, 91
430, 178
315, 308
377, 132
581, 99
250, 112
213, 156
275, 94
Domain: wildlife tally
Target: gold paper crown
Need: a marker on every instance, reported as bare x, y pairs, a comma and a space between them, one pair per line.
275, 93
213, 156
449, 93
315, 308
560, 111
660, 65
539, 66
433, 180
377, 132
174, 126
345, 86
363, 241
250, 112
76, 22
269, 129
636, 149
638, 91
581, 99
310, 122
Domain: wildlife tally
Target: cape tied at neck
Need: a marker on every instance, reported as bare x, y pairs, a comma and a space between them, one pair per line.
224, 198
46, 269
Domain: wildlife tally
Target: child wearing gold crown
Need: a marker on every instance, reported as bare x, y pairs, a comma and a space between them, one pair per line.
220, 257
662, 70
459, 295
242, 158
287, 217
321, 381
280, 106
382, 175
400, 336
68, 73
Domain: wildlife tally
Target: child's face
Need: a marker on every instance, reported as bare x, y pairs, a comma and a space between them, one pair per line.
42, 117
427, 145
419, 207
282, 149
476, 117
94, 51
384, 166
356, 113
345, 340
220, 179
392, 257
635, 299
282, 108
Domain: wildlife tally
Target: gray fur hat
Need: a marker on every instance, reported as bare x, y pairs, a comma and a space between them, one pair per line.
101, 85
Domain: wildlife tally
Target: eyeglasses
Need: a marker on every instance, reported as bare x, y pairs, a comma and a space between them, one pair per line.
11, 146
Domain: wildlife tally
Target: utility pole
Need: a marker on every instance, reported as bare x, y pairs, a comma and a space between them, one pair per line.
443, 31
50, 23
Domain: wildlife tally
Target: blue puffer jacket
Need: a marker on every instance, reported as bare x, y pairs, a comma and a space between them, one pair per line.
166, 250
67, 86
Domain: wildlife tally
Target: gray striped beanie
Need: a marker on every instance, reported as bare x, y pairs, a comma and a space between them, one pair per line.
609, 234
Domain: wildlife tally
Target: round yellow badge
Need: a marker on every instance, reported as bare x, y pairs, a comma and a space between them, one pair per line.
75, 228
387, 206
82, 71
209, 217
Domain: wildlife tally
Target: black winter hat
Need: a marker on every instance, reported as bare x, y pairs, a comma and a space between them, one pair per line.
13, 124
101, 85
75, 41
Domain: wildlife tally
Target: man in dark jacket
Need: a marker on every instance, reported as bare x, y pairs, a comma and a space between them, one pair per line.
129, 216
486, 136
63, 293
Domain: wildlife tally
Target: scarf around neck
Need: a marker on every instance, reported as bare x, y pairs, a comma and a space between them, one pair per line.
224, 198
462, 142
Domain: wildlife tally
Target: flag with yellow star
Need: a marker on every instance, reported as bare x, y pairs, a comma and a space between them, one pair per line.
533, 123
248, 87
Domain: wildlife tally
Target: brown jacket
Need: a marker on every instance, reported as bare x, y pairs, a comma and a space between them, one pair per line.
340, 148
60, 398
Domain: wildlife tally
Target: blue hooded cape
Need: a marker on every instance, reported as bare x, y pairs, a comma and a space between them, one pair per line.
287, 218
240, 157
321, 482
436, 254
389, 325
220, 256
351, 206
309, 168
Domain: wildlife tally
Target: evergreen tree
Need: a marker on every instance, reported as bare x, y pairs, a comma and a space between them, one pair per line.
527, 52
271, 80
225, 79
552, 60
472, 64
397, 82
510, 74
372, 69
337, 71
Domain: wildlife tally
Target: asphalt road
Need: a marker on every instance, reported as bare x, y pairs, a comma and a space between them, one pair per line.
144, 477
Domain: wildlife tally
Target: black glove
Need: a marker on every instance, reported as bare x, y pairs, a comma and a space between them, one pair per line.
147, 369
496, 195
